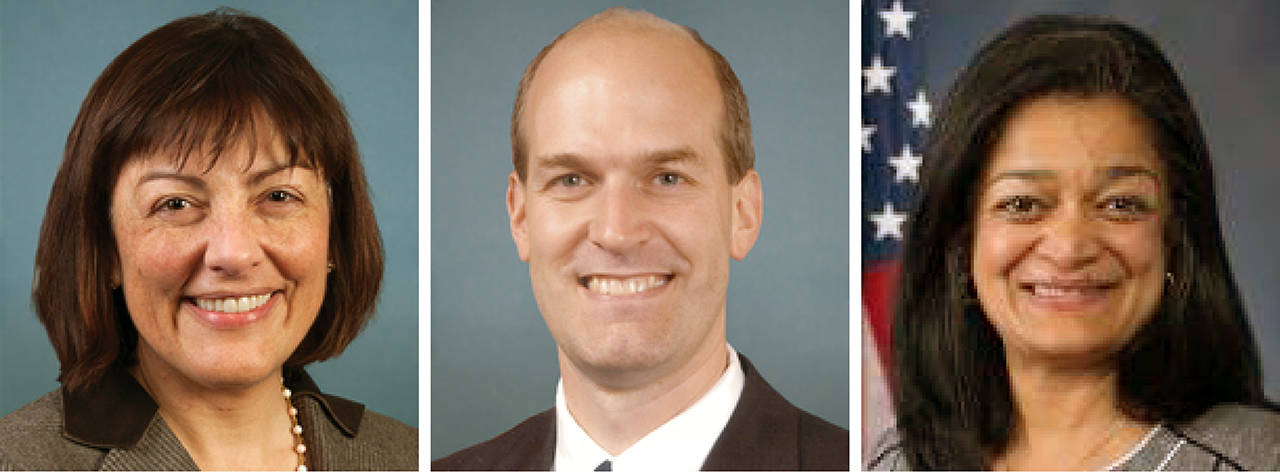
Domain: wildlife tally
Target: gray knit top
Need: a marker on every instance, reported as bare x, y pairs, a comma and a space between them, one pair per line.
1227, 437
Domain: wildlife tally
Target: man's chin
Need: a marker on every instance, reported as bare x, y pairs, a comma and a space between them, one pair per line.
623, 365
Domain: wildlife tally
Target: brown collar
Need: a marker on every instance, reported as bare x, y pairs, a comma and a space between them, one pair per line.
116, 412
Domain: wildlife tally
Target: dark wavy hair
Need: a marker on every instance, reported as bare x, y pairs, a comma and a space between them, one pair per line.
199, 82
951, 389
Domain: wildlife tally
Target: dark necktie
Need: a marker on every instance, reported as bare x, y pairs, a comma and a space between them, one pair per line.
606, 465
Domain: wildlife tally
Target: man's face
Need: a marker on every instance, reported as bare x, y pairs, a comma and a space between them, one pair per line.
627, 218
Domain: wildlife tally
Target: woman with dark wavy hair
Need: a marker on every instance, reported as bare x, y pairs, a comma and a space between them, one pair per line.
1088, 318
208, 234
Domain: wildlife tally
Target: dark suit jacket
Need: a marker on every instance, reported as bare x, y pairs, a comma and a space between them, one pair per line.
765, 432
115, 426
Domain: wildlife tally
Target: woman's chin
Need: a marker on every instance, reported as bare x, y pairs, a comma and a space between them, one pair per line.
1068, 350
224, 369
220, 359
232, 375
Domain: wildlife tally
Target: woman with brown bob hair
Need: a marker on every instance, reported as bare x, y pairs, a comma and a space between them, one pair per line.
208, 234
1087, 318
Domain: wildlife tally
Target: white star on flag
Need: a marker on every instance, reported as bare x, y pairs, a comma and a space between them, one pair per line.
888, 223
867, 132
877, 76
920, 110
906, 166
897, 21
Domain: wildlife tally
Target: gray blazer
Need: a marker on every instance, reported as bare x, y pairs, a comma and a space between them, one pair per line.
115, 426
1227, 437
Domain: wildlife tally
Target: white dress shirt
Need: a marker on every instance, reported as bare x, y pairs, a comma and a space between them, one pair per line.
682, 443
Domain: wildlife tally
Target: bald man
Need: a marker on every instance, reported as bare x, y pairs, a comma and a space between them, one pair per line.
633, 186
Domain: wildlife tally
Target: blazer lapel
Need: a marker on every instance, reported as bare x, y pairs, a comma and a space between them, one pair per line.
535, 448
762, 433
159, 449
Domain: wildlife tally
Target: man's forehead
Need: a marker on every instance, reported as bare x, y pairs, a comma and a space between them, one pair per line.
620, 83
636, 39
682, 155
622, 19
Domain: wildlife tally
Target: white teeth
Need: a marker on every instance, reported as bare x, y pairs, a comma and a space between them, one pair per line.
1046, 291
613, 286
233, 304
1040, 290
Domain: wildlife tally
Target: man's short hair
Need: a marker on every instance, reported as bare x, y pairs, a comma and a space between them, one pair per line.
735, 127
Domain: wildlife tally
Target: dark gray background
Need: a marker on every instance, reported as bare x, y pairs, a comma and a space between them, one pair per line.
1228, 56
493, 362
50, 53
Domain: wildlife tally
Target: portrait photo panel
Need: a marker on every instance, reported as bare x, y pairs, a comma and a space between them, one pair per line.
493, 359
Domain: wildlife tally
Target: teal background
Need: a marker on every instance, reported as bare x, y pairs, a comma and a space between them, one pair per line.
51, 52
493, 362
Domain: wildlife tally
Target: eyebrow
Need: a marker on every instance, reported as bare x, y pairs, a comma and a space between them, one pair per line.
261, 175
560, 160
171, 175
672, 156
1024, 174
194, 181
659, 157
1111, 173
1120, 172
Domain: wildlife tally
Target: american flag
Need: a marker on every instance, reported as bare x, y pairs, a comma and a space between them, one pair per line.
895, 117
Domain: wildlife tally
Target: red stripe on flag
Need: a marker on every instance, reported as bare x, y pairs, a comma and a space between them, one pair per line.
879, 287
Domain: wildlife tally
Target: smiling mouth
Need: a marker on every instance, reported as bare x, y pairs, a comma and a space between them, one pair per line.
620, 286
232, 304
1053, 290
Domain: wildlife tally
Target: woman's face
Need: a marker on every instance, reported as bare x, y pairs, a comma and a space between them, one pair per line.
223, 270
1068, 256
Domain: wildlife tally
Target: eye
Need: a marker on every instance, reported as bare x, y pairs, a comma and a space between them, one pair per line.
566, 186
177, 210
281, 201
668, 178
1021, 207
280, 196
174, 204
1126, 206
570, 180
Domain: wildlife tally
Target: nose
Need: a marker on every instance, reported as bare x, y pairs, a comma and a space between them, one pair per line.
1070, 240
232, 246
621, 219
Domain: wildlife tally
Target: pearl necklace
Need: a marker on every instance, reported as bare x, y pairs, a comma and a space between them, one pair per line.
298, 446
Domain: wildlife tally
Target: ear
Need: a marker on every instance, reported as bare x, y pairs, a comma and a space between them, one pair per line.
515, 210
747, 212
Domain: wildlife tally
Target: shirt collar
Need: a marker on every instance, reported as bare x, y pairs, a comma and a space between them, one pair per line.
116, 412
682, 443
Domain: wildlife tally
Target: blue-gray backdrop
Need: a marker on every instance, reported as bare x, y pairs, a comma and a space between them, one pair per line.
493, 363
50, 53
1226, 54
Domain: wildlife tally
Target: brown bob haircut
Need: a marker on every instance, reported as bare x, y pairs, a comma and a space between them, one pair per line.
735, 126
196, 84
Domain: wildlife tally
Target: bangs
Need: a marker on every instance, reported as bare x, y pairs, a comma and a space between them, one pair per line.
210, 129
229, 84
